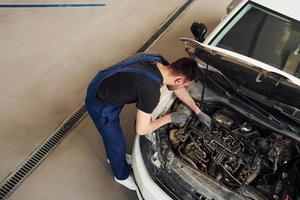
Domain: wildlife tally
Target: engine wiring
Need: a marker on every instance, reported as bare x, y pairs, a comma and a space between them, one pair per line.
234, 152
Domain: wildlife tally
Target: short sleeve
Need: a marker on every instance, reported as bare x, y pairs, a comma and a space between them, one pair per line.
148, 97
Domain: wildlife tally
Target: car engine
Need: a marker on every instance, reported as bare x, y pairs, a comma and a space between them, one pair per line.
234, 152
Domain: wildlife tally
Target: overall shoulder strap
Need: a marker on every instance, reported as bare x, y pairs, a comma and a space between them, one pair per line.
143, 57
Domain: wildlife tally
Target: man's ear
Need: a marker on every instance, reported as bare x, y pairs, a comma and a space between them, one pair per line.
179, 80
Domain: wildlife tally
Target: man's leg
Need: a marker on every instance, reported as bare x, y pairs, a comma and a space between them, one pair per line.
128, 159
115, 146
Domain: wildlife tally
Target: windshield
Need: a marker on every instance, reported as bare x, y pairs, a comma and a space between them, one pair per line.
264, 35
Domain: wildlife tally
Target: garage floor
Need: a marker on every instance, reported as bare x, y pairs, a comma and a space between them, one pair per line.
77, 169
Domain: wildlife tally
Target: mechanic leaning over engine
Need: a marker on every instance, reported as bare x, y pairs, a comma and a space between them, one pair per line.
137, 80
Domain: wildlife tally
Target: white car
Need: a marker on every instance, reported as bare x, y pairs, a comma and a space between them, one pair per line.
250, 87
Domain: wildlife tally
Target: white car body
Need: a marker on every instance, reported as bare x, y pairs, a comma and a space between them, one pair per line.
148, 189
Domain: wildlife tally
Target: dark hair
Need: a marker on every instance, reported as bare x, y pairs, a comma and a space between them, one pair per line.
187, 67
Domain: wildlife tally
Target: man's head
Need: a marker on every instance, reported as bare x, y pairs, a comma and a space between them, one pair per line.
182, 72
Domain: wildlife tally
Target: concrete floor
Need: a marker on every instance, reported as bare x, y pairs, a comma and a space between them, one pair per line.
77, 169
49, 55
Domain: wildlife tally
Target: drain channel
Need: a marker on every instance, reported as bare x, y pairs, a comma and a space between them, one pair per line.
13, 180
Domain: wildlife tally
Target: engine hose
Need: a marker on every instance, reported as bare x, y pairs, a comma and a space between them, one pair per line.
188, 160
199, 157
231, 176
185, 158
255, 173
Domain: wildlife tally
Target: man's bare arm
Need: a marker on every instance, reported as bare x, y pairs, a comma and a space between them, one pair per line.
145, 124
186, 98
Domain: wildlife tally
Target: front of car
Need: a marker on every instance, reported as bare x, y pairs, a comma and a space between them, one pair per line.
251, 89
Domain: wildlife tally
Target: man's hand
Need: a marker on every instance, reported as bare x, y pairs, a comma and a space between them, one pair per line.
204, 118
178, 118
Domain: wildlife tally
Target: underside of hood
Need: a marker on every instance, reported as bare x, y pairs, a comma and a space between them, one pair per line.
255, 76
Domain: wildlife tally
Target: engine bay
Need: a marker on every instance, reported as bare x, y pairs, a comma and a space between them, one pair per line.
235, 151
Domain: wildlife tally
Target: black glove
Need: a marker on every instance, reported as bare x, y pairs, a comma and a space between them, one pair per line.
178, 118
204, 118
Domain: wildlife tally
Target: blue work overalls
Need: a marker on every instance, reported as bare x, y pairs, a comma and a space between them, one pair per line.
106, 118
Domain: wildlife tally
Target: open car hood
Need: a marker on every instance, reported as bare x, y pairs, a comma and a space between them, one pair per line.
256, 76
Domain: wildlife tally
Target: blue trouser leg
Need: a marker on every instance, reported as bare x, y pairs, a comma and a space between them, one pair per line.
115, 146
108, 125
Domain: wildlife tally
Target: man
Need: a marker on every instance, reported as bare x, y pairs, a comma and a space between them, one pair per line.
137, 80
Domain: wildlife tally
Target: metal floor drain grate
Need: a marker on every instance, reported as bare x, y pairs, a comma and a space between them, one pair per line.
11, 182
